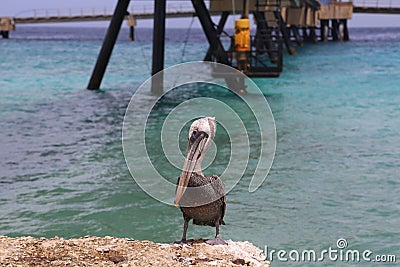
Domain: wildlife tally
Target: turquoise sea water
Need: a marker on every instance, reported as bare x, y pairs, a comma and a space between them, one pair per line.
335, 174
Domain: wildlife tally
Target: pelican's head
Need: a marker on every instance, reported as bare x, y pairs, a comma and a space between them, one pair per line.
201, 135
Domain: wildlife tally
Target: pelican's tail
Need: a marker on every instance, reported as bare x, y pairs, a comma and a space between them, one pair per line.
209, 223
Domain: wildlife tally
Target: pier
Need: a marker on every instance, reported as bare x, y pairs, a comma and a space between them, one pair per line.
278, 24
173, 10
61, 15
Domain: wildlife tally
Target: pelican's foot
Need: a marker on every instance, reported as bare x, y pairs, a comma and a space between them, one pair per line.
216, 241
242, 92
184, 241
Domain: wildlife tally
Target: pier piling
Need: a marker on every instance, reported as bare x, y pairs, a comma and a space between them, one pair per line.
285, 33
345, 30
131, 33
296, 35
210, 32
313, 35
5, 34
157, 83
131, 21
263, 36
324, 29
220, 28
108, 44
335, 30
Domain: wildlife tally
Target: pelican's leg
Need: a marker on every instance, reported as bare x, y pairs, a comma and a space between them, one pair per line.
185, 227
217, 229
217, 240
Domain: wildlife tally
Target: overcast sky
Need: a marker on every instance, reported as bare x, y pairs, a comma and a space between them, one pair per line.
21, 8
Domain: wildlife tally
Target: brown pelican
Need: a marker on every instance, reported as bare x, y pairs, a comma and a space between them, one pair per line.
200, 198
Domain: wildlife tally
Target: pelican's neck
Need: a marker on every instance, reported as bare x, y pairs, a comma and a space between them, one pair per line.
197, 168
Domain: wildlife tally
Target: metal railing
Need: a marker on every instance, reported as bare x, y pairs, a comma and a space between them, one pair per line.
64, 12
101, 11
170, 8
377, 3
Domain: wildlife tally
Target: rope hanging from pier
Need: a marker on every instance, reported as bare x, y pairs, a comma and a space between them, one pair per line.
146, 58
187, 38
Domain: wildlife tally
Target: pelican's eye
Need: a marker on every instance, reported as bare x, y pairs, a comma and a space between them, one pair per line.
194, 136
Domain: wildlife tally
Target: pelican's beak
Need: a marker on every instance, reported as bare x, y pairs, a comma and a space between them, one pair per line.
193, 154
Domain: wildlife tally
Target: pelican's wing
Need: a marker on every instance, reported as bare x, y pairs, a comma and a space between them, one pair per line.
219, 188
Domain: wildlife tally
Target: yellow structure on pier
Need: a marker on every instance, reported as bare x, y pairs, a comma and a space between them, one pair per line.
242, 35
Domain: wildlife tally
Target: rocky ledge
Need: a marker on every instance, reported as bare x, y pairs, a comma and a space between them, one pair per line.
111, 251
